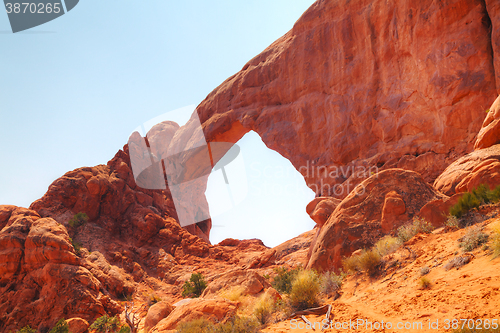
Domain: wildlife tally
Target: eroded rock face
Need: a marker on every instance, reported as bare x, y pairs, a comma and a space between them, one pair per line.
41, 280
390, 84
489, 134
320, 209
394, 196
247, 281
479, 167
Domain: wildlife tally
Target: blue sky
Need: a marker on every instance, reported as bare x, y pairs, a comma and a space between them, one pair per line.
72, 90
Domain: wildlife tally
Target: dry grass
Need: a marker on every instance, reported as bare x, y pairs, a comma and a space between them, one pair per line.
424, 282
305, 290
474, 238
387, 245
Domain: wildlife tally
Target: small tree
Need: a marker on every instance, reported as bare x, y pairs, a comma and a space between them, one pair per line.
78, 220
61, 327
195, 286
27, 329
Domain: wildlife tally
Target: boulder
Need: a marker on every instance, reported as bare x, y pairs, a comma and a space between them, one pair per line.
479, 167
156, 313
78, 325
211, 309
249, 281
320, 209
376, 207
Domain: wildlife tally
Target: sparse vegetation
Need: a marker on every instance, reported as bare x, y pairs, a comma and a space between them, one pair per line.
234, 325
153, 299
78, 219
457, 262
195, 286
424, 282
408, 231
453, 222
263, 309
331, 282
367, 261
495, 241
305, 289
424, 270
473, 239
106, 324
26, 329
477, 197
76, 246
387, 245
282, 282
60, 327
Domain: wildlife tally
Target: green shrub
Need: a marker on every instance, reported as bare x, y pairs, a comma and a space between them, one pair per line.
282, 282
61, 327
305, 289
424, 282
195, 286
331, 282
473, 239
78, 219
27, 329
106, 324
387, 245
408, 231
479, 196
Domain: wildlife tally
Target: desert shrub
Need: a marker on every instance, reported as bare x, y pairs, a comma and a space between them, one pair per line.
233, 294
153, 299
201, 325
305, 289
61, 327
238, 325
457, 262
424, 282
495, 241
387, 245
263, 309
106, 324
234, 325
76, 246
368, 261
282, 282
331, 282
473, 239
26, 329
124, 329
424, 270
477, 197
453, 222
78, 219
195, 286
406, 232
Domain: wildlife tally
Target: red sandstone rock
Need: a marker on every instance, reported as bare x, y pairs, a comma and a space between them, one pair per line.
389, 84
321, 208
156, 313
357, 221
211, 309
479, 167
77, 325
249, 281
489, 134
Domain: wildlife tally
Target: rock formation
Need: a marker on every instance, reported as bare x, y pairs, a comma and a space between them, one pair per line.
377, 206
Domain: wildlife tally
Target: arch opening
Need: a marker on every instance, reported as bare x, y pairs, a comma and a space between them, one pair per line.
262, 196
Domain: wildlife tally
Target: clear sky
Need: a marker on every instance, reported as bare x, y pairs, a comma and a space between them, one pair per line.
72, 90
